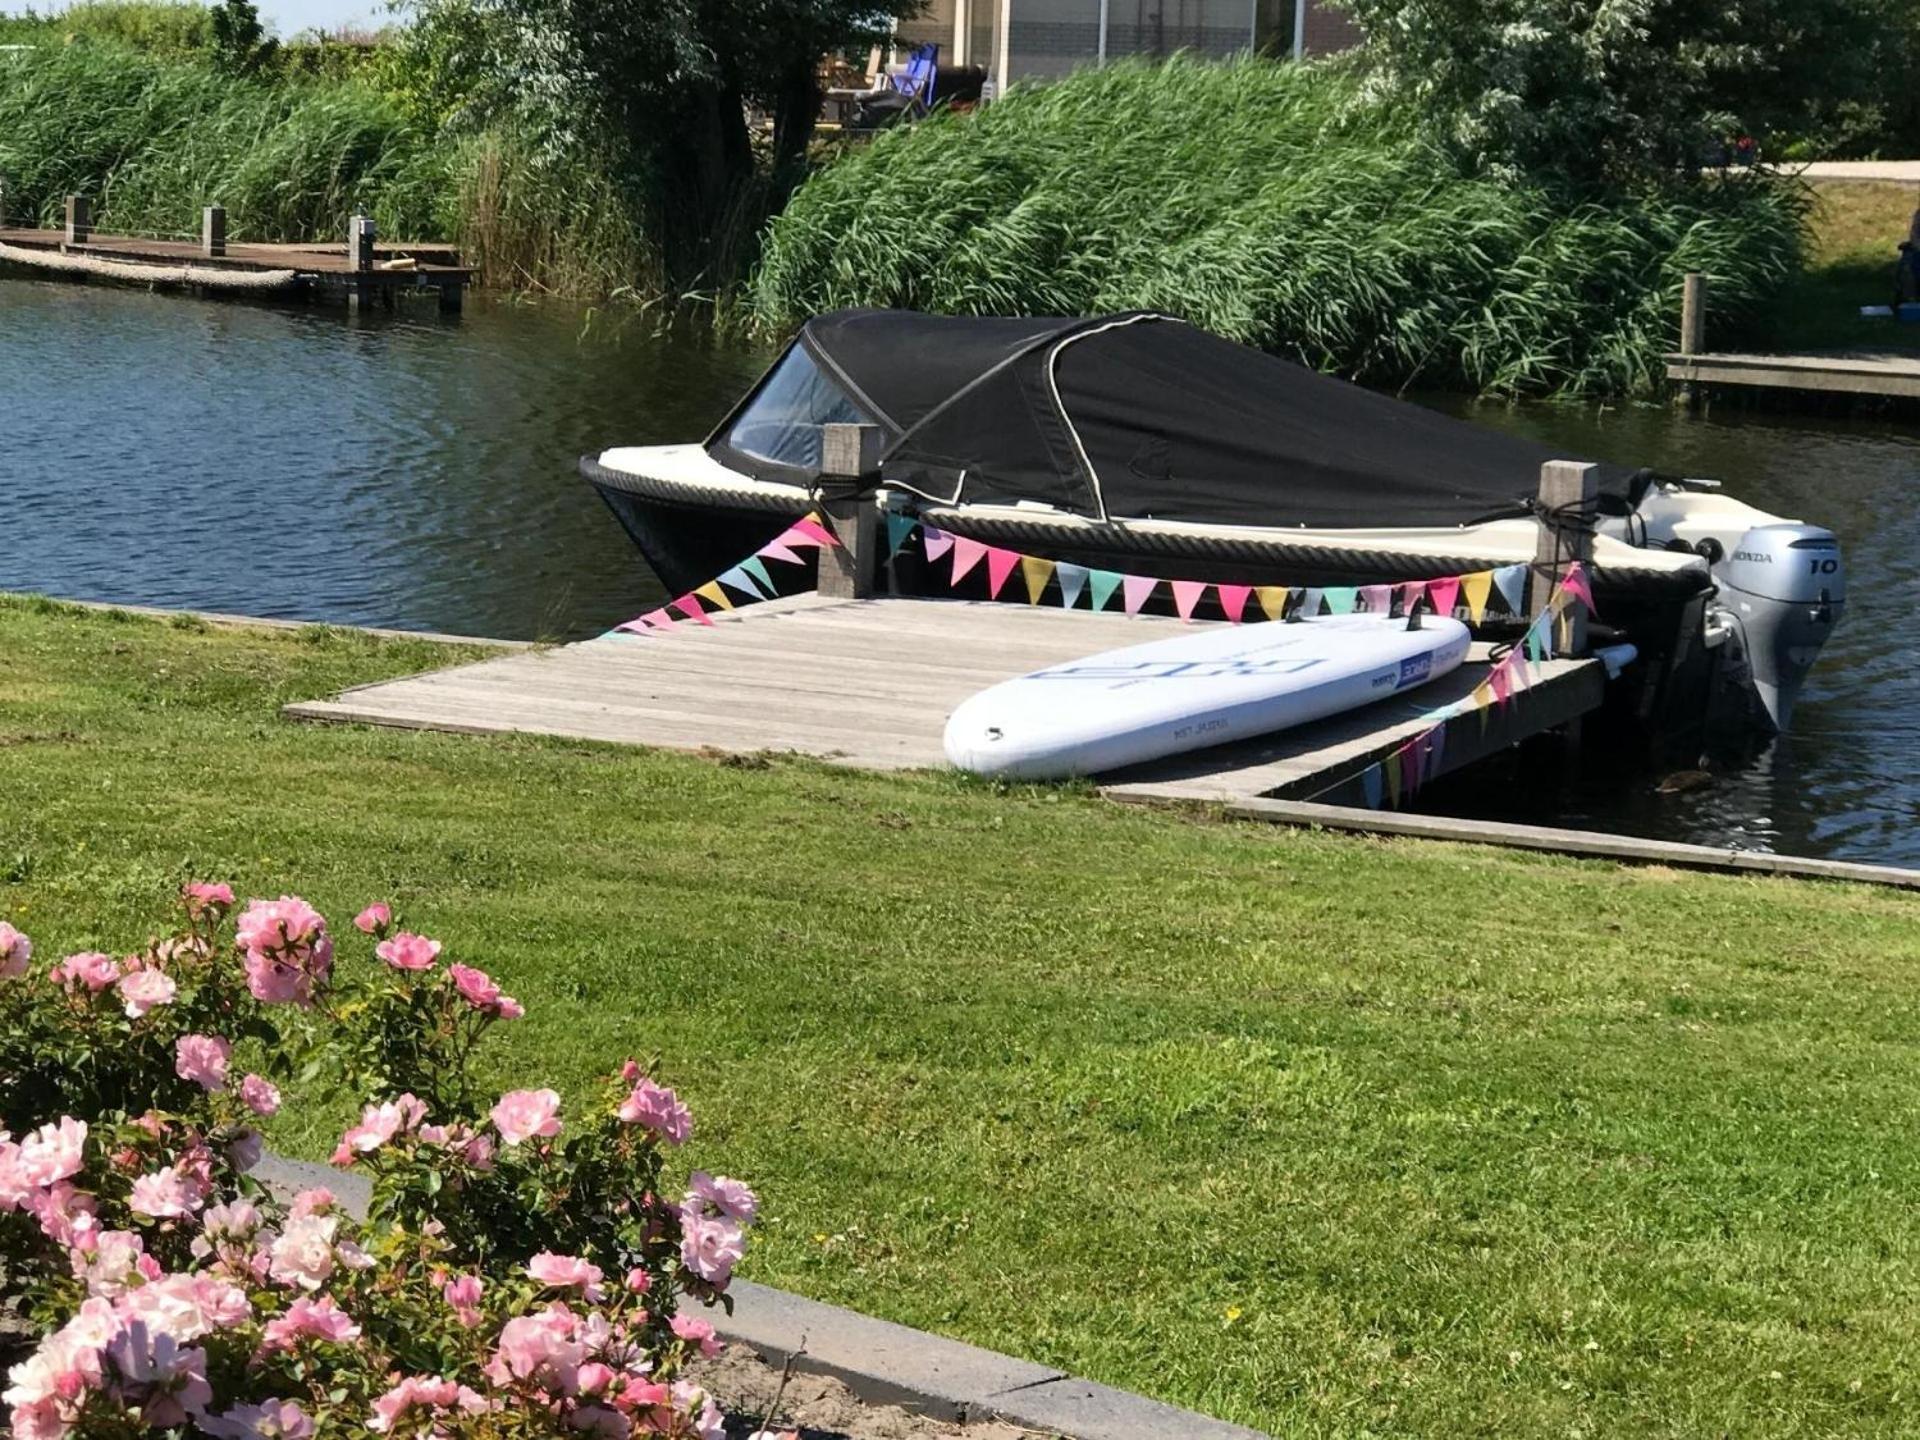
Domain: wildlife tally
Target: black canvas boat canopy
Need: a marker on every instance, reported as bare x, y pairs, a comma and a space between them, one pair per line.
1130, 416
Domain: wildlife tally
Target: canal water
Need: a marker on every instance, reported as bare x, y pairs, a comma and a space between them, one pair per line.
417, 472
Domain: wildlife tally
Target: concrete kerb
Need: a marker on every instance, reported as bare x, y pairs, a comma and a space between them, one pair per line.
888, 1364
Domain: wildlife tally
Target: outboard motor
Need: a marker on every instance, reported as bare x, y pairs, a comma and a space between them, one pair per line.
1784, 587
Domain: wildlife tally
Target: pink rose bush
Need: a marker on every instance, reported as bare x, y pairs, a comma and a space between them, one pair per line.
520, 1270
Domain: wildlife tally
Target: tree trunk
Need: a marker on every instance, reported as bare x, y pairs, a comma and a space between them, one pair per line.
708, 172
794, 114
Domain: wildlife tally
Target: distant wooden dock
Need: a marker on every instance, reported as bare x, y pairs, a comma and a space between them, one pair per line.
1843, 373
870, 682
359, 272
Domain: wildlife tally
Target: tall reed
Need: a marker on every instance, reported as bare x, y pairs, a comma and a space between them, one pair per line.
1262, 201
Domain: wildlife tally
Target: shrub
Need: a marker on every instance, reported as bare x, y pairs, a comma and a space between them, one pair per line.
1270, 204
517, 1272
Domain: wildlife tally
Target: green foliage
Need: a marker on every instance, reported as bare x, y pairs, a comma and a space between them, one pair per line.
1269, 204
240, 45
1605, 92
154, 140
158, 27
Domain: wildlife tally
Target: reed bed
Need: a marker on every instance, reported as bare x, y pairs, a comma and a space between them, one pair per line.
1266, 203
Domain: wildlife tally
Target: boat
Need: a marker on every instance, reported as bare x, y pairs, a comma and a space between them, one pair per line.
1140, 443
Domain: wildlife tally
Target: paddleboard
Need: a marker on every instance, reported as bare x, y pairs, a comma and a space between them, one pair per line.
1199, 688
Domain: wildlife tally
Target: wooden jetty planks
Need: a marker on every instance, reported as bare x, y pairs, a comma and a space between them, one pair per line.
870, 683
1852, 373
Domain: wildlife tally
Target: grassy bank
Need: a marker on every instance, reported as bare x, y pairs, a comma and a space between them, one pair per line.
1332, 1136
1265, 203
1855, 227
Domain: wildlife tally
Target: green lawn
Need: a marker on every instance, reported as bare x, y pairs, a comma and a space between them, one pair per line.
1856, 227
1329, 1135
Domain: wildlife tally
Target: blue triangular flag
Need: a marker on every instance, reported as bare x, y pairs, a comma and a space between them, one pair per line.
1102, 583
1073, 579
1340, 599
1370, 782
756, 567
739, 579
1511, 582
899, 527
1536, 642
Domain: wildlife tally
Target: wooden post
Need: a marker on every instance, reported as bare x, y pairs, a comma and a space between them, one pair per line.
3, 200
360, 243
213, 231
849, 459
79, 219
1693, 314
1569, 491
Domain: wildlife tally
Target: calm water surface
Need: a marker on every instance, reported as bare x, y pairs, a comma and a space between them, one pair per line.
417, 472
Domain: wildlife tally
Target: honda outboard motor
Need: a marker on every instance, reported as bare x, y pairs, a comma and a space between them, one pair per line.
1785, 587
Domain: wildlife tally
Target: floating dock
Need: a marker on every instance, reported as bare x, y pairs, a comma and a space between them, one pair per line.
325, 272
1885, 373
870, 682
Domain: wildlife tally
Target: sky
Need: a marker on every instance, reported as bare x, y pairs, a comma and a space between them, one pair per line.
283, 17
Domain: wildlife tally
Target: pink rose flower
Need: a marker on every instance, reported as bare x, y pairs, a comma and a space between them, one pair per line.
539, 1350
89, 968
638, 1281
53, 1152
259, 1095
203, 1060
303, 1254
526, 1114
143, 989
463, 1293
65, 1215
729, 1197
480, 991
318, 1200
206, 899
308, 1319
658, 1109
114, 1262
697, 1332
269, 1420
246, 1149
186, 1306
423, 1393
164, 1195
288, 951
15, 951
164, 1378
693, 1402
407, 951
710, 1248
567, 1272
379, 1124
375, 919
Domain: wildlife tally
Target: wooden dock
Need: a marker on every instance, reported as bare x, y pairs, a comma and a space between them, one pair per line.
326, 272
1842, 372
870, 682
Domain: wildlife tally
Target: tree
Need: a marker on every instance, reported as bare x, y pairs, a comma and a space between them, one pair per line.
1603, 92
240, 43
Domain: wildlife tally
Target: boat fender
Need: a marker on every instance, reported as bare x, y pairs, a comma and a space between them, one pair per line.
1616, 658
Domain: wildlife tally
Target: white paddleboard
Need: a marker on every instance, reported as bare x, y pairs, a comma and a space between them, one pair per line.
1203, 687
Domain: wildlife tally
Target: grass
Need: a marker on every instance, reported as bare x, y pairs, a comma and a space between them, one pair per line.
1265, 202
1327, 1135
1855, 227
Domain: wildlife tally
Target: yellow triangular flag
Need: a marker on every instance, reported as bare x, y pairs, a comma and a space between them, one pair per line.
1392, 766
712, 591
1036, 573
1476, 587
1563, 631
1273, 600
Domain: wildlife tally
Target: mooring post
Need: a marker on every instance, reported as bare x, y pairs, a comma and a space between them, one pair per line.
3, 200
213, 231
1693, 313
359, 260
1569, 495
849, 461
79, 219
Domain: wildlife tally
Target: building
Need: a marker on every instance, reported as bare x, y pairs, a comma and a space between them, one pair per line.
1042, 39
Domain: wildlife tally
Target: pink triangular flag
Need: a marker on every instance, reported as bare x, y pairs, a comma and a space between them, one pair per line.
1411, 760
1233, 600
1501, 679
1444, 593
1134, 591
1000, 564
1376, 598
658, 619
966, 555
1186, 595
1410, 594
935, 542
635, 626
1574, 582
809, 531
776, 549
690, 606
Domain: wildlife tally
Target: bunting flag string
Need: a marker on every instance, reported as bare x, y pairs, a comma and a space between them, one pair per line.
1392, 779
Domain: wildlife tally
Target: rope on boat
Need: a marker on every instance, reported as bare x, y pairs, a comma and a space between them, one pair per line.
147, 274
